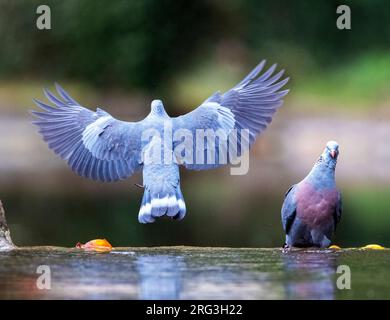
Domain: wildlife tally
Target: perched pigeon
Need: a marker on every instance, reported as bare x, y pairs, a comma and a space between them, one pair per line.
99, 147
312, 208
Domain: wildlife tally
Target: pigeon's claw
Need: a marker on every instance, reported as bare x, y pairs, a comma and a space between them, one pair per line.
286, 248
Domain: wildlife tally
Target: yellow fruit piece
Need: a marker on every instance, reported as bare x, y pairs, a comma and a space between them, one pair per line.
100, 245
334, 247
373, 247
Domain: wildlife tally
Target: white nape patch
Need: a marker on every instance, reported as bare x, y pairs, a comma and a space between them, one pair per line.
156, 103
332, 145
92, 131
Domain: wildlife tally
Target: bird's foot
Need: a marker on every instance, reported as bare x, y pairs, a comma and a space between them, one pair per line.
286, 248
139, 185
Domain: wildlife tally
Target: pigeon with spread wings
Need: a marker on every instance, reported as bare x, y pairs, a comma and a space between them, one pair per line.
97, 146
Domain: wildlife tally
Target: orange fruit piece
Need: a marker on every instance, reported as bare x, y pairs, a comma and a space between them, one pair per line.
100, 245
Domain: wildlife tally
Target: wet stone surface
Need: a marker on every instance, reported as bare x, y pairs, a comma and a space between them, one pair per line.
193, 273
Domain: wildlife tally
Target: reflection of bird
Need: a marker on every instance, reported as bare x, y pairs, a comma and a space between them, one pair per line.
160, 276
309, 275
99, 147
312, 208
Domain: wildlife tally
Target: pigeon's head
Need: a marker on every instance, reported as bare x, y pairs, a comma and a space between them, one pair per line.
331, 151
157, 108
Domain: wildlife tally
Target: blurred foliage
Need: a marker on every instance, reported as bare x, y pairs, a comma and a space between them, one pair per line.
312, 26
363, 83
144, 43
108, 43
368, 216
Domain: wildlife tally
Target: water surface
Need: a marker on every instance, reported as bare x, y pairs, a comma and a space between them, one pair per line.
194, 273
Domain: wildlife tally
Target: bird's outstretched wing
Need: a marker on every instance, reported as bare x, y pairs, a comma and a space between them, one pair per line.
94, 144
249, 105
289, 209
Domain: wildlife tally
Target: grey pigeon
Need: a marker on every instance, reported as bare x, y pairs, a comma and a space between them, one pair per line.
312, 208
99, 147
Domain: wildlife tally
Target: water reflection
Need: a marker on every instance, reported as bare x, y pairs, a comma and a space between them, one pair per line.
310, 275
188, 273
160, 276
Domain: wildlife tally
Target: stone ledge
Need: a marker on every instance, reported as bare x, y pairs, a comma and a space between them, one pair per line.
5, 235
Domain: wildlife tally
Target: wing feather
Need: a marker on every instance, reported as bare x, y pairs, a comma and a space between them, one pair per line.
249, 105
289, 209
339, 210
94, 144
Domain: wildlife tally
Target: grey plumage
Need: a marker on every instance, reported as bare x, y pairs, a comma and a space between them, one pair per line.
99, 147
312, 208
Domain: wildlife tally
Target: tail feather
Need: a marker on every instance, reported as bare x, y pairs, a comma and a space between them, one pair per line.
164, 202
144, 215
173, 205
182, 205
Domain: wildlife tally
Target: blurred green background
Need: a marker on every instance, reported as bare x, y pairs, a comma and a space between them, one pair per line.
119, 55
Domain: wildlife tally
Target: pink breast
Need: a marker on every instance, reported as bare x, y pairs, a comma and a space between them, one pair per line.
315, 207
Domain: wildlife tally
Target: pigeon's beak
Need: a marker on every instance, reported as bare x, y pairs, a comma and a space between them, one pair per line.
333, 154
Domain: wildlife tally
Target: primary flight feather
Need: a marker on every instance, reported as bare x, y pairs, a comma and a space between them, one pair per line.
100, 147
